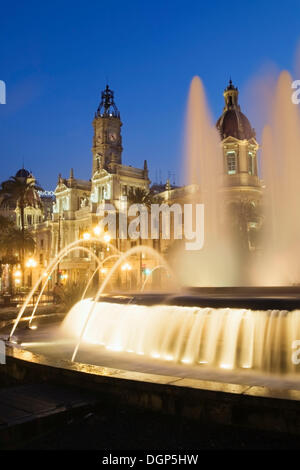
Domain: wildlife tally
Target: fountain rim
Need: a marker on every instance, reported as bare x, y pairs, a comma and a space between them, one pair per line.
60, 368
285, 298
178, 396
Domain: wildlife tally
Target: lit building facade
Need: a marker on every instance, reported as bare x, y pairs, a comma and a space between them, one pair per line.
242, 187
77, 201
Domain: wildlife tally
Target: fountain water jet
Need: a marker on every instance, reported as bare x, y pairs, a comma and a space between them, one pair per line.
130, 252
80, 248
280, 263
204, 171
95, 271
62, 252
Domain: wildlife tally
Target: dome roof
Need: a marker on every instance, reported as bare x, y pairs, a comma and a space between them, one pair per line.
22, 173
233, 123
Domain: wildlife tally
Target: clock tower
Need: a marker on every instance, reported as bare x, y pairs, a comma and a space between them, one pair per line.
107, 141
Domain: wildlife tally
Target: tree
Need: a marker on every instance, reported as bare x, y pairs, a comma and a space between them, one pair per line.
14, 240
12, 244
5, 224
142, 196
20, 190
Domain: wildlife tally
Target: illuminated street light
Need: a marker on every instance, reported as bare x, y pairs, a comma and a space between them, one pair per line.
107, 238
17, 275
31, 263
97, 230
86, 236
103, 270
126, 267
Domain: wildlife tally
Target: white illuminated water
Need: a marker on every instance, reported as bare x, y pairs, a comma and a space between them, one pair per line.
221, 338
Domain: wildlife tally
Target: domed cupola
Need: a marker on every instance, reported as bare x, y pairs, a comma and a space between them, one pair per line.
233, 123
22, 173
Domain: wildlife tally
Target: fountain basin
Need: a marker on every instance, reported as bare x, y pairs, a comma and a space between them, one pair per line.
256, 407
263, 401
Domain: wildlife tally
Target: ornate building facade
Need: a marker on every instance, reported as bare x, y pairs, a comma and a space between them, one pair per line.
242, 187
77, 201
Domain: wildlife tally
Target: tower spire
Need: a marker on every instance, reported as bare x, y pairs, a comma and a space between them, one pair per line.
231, 94
107, 106
107, 140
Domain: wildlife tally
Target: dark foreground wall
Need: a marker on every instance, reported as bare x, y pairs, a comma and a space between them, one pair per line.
229, 404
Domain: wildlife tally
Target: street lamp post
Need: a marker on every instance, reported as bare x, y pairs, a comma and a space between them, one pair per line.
31, 263
126, 267
97, 230
97, 233
58, 247
17, 276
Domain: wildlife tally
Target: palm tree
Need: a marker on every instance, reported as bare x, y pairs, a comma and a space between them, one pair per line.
15, 240
142, 196
12, 244
5, 225
20, 190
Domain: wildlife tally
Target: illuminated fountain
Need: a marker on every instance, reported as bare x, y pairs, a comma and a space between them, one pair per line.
176, 328
280, 264
221, 338
217, 263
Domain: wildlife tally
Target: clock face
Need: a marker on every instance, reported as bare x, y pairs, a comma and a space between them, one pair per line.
112, 137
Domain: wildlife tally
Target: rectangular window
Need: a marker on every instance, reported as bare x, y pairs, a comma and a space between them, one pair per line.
106, 192
250, 163
231, 163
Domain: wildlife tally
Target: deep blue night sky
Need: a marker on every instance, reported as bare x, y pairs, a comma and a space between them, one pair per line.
55, 58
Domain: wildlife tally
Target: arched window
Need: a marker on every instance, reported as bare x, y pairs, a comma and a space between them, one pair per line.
231, 163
